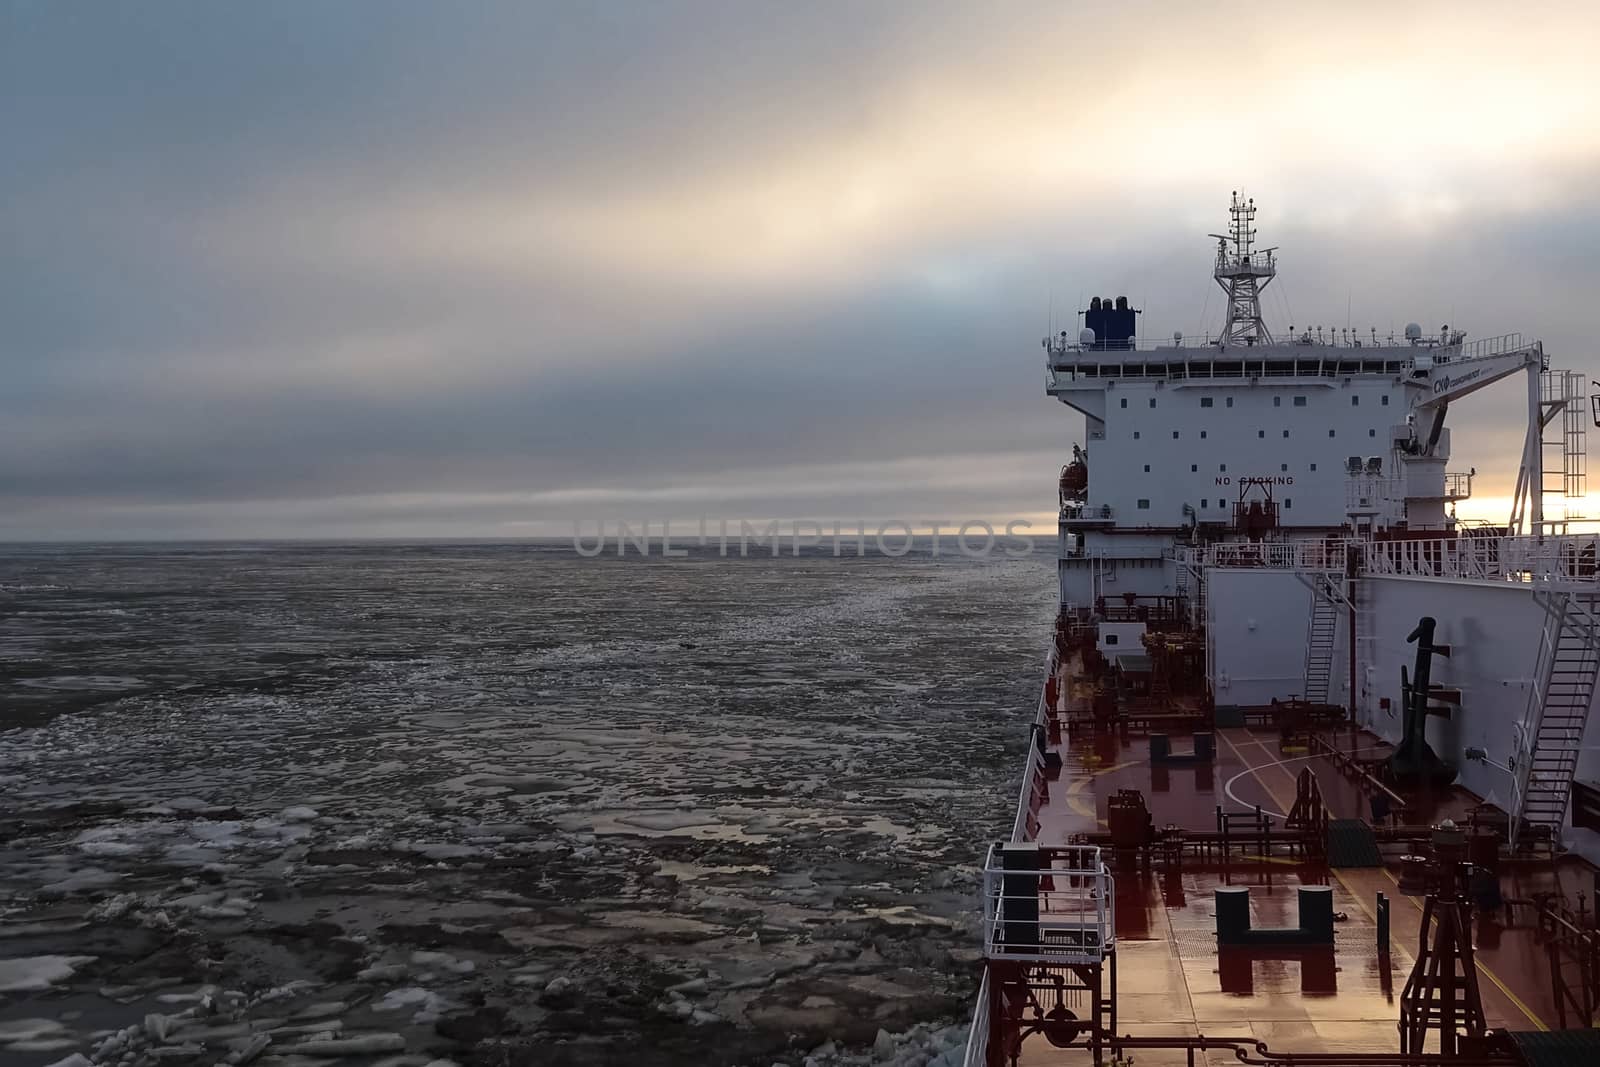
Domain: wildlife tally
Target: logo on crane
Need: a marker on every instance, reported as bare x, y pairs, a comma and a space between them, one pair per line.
1447, 383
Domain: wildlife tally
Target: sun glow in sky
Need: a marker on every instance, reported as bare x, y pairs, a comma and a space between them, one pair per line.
408, 269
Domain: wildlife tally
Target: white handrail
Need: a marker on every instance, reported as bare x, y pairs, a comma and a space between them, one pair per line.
1278, 555
1482, 347
1035, 760
1563, 560
1533, 713
978, 1033
1295, 346
977, 1050
1552, 560
1065, 912
1290, 347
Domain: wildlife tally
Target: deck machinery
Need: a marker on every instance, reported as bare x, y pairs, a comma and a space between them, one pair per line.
1229, 727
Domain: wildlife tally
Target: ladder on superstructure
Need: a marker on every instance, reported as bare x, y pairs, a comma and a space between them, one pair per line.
1320, 637
1558, 711
1574, 447
1190, 583
1563, 425
1322, 630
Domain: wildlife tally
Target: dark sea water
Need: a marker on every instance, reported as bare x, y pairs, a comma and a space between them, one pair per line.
500, 803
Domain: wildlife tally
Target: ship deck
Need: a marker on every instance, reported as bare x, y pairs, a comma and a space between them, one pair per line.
1170, 980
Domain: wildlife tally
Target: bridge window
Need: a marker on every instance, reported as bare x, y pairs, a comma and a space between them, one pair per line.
1283, 466
1261, 433
1136, 434
1372, 433
1147, 468
1223, 467
1330, 434
1299, 401
1152, 401
1203, 503
1386, 400
1277, 401
1288, 503
1174, 435
1228, 402
1355, 401
1124, 401
1202, 435
1194, 468
1205, 401
1144, 505
1313, 466
1286, 433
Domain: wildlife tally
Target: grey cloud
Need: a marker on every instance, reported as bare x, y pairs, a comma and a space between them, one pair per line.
296, 267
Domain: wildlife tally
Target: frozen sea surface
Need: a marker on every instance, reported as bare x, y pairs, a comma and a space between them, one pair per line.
500, 804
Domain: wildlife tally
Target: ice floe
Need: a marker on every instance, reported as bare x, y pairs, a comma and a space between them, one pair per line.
24, 973
689, 819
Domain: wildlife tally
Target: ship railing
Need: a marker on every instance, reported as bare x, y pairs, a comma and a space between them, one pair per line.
1279, 555
1371, 492
1086, 513
1235, 265
1288, 356
1353, 342
1034, 766
978, 1032
1207, 348
1556, 560
1551, 559
1052, 904
1458, 485
1482, 347
1198, 344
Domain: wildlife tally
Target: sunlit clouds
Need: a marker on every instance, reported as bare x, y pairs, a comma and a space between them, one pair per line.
408, 269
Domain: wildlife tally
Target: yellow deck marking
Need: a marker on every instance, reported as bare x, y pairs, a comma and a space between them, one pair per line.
1361, 903
1075, 790
1487, 973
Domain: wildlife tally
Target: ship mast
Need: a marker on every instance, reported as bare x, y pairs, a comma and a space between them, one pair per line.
1243, 273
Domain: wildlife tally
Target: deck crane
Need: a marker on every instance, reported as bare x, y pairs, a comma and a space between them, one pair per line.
1453, 370
1449, 374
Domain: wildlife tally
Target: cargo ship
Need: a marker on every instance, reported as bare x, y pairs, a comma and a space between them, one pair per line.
1311, 779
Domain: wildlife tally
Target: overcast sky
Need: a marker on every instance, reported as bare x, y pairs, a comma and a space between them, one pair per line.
390, 269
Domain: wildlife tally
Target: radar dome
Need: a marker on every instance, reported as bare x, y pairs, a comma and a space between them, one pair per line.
1086, 336
1413, 332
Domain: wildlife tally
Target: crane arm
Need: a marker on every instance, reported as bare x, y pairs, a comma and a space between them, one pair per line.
1453, 379
1450, 379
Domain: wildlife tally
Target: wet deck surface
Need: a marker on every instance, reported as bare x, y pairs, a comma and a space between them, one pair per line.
1169, 975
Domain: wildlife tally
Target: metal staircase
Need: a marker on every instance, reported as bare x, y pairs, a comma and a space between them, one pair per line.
1558, 710
1190, 583
1320, 637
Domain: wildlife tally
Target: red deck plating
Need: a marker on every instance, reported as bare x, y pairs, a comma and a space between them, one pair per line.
1171, 979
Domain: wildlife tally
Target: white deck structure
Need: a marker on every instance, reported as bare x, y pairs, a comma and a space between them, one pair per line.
1295, 491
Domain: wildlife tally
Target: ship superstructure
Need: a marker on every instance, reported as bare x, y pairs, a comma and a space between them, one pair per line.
1244, 436
1286, 684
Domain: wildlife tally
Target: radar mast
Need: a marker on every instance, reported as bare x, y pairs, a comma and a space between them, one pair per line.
1243, 272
